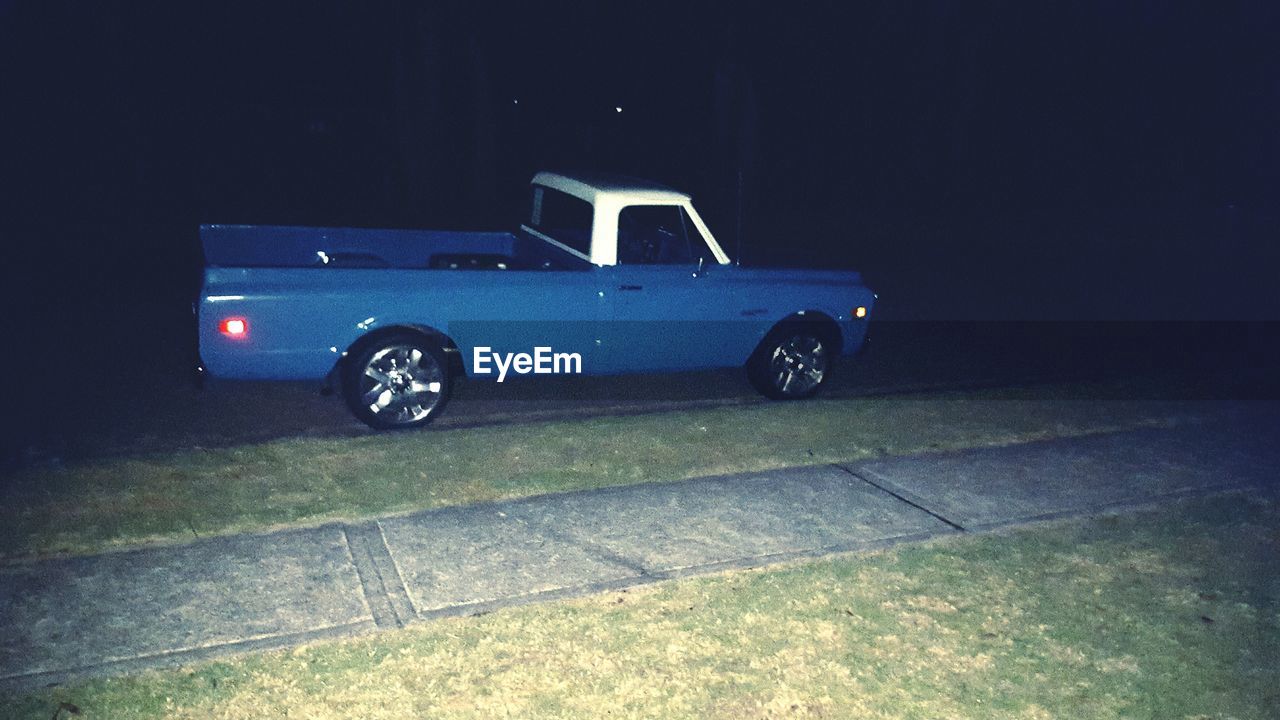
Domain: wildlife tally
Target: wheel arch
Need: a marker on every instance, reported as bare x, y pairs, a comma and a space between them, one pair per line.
825, 324
456, 369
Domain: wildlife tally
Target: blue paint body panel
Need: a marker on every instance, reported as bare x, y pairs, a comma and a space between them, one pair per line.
308, 294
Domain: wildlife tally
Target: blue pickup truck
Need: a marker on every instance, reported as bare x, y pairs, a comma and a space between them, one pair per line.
609, 275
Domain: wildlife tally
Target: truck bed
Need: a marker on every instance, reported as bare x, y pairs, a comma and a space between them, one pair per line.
266, 246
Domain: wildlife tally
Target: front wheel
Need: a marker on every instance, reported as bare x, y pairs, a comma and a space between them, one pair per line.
792, 362
399, 382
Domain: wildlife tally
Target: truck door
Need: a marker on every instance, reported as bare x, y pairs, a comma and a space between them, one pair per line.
666, 313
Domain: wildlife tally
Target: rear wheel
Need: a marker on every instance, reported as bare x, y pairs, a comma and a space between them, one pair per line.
401, 381
793, 362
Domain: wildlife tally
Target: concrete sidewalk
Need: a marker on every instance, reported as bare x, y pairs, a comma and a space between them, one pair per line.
66, 619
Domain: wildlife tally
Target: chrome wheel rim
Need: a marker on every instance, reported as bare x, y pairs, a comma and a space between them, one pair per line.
401, 384
798, 364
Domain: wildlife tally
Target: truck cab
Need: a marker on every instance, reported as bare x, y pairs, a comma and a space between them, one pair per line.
610, 220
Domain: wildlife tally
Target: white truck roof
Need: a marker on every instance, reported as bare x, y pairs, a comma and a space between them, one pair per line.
628, 190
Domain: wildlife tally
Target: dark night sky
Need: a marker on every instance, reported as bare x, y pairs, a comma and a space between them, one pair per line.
993, 160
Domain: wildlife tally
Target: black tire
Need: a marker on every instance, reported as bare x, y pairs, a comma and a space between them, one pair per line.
793, 361
397, 382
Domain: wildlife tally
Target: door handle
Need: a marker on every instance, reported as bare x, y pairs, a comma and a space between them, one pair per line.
631, 287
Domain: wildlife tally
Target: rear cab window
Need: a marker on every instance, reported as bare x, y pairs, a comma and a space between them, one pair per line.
562, 218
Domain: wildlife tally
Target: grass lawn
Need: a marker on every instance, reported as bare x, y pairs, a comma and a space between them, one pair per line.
177, 496
1170, 613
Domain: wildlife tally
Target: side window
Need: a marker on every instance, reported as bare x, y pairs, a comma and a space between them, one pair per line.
563, 218
653, 235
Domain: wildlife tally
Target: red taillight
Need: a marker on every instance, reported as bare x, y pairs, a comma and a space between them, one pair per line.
235, 327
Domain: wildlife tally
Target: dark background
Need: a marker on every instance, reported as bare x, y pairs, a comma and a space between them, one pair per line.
1092, 160
1034, 189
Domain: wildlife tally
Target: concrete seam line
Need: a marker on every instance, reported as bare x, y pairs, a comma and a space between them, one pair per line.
398, 592
902, 498
372, 584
